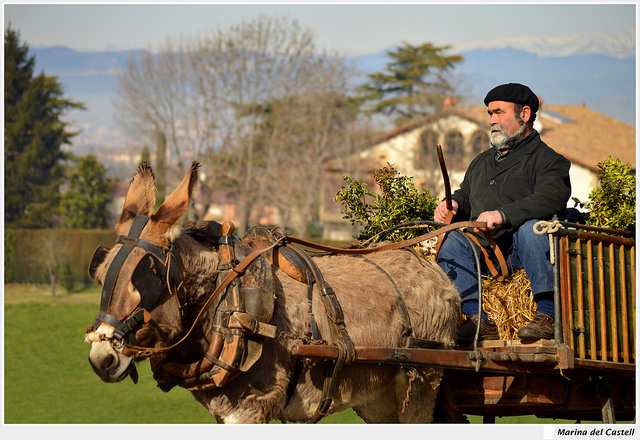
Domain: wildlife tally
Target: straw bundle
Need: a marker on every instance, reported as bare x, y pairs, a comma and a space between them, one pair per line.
509, 303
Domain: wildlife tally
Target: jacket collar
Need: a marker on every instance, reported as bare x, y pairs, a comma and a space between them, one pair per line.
518, 153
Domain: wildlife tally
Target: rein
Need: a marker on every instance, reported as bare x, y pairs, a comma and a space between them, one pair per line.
389, 246
202, 373
146, 352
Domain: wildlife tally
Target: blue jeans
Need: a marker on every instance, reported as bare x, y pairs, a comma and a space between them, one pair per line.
530, 251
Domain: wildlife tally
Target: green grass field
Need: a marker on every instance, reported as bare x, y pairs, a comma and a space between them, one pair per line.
47, 378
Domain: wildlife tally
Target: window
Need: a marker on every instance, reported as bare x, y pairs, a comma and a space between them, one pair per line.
479, 142
454, 152
426, 155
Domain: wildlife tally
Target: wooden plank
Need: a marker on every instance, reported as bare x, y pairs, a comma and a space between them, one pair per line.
613, 316
603, 308
542, 395
565, 289
579, 293
632, 253
605, 365
592, 302
623, 305
529, 362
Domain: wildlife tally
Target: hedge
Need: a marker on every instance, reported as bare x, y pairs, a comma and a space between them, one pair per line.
27, 253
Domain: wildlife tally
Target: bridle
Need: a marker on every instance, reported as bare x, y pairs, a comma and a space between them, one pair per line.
154, 272
149, 278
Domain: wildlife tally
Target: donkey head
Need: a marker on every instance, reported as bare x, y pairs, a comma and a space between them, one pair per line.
142, 294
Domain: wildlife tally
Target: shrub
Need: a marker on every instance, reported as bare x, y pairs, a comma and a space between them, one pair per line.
398, 202
613, 203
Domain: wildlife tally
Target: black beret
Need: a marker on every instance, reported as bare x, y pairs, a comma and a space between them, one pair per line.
513, 92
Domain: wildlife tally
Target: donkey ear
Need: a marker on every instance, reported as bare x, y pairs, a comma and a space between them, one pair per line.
141, 195
177, 202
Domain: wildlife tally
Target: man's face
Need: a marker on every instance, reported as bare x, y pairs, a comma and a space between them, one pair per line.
506, 130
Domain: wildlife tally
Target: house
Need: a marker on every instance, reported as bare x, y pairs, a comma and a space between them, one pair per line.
583, 136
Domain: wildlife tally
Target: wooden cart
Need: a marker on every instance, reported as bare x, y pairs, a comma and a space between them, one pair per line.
587, 372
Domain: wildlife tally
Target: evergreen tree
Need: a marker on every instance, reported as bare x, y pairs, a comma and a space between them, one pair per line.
414, 83
84, 205
33, 137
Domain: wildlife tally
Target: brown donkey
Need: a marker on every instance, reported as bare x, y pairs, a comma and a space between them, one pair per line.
157, 285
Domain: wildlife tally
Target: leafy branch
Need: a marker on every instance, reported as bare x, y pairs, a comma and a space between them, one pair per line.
398, 202
613, 203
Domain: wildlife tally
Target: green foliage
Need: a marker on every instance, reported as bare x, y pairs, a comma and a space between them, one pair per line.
84, 205
25, 254
33, 136
11, 262
399, 202
613, 203
67, 277
414, 83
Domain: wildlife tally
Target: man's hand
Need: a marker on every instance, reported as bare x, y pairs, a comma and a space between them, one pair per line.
492, 218
440, 214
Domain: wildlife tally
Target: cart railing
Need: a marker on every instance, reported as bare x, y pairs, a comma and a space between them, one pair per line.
586, 372
597, 293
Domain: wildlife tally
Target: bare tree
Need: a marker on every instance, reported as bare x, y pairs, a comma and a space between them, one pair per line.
212, 100
317, 124
53, 254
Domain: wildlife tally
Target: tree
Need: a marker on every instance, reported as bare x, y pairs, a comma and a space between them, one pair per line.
414, 83
300, 134
84, 204
33, 137
214, 99
53, 253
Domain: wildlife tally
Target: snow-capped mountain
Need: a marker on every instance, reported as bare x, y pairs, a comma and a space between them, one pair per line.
621, 44
599, 71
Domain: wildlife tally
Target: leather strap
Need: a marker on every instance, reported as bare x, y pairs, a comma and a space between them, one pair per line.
151, 351
388, 246
497, 252
143, 352
492, 243
447, 220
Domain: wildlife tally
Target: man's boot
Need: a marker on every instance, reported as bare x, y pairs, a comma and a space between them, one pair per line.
540, 327
466, 334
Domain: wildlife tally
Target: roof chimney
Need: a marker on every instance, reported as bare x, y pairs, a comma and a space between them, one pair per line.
449, 101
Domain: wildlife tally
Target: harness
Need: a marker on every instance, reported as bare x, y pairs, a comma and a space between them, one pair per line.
155, 272
243, 301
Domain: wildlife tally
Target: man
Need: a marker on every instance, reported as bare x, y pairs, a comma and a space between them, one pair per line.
510, 187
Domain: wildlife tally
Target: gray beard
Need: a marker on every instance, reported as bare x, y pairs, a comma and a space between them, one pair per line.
502, 141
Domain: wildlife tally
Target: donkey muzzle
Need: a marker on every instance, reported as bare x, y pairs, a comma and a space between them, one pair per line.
108, 364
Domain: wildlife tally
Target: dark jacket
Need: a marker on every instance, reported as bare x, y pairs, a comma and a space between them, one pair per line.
531, 182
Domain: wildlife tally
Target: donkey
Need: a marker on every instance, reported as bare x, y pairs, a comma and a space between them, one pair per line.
175, 323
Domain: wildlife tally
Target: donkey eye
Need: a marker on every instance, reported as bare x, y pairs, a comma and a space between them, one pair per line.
97, 259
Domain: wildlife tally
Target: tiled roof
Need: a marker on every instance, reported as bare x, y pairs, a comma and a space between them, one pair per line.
590, 139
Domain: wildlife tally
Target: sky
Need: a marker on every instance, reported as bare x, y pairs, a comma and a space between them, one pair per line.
351, 29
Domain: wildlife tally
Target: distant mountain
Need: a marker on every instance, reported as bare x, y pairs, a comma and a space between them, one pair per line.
621, 44
605, 83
